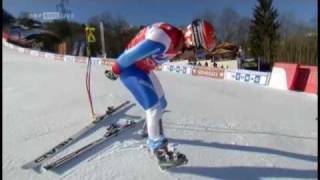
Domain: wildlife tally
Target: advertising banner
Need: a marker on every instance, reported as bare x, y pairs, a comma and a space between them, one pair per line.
96, 60
69, 59
49, 55
247, 76
20, 49
81, 60
176, 68
59, 57
107, 62
214, 73
34, 53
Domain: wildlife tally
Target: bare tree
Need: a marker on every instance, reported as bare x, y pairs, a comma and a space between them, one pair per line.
208, 15
228, 22
287, 24
314, 21
243, 30
117, 32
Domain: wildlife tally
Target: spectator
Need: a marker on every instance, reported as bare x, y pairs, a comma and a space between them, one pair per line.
206, 64
199, 64
241, 58
215, 64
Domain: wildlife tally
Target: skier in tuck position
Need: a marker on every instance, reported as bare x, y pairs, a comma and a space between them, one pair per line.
152, 46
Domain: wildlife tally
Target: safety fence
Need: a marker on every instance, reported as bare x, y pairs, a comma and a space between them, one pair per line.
283, 76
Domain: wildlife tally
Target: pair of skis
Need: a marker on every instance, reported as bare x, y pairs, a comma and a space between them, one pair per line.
112, 131
166, 161
170, 160
45, 157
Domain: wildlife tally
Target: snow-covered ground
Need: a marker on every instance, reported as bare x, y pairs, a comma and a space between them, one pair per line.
228, 130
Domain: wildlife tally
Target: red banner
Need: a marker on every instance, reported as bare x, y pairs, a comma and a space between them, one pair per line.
59, 57
215, 73
107, 62
81, 60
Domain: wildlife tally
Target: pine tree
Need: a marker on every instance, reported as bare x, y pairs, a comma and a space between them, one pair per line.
264, 35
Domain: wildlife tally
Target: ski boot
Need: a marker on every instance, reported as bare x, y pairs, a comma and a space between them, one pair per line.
111, 129
110, 110
170, 159
167, 158
115, 127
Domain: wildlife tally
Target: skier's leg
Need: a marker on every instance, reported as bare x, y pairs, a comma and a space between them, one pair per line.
140, 85
153, 102
159, 90
162, 100
163, 103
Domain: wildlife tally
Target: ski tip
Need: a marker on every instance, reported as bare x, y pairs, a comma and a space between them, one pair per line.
24, 167
27, 166
36, 168
48, 167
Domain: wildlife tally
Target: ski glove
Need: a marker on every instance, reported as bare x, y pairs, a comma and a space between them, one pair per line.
111, 75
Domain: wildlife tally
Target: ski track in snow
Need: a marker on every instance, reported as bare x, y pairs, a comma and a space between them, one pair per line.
228, 130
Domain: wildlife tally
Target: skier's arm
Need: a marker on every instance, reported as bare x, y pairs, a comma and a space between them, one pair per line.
142, 50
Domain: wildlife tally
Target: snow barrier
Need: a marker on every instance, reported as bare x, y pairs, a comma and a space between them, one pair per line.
287, 76
283, 76
307, 79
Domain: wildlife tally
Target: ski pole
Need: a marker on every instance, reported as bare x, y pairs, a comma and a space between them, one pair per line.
90, 40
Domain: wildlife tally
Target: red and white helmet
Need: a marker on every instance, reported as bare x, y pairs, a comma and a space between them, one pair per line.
200, 34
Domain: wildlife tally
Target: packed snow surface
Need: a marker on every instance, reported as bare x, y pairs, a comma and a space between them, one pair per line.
228, 130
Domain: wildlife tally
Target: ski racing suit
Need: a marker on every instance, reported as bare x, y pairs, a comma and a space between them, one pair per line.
152, 46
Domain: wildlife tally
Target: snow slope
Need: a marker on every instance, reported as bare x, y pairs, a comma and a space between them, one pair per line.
228, 130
